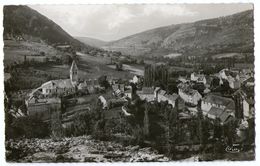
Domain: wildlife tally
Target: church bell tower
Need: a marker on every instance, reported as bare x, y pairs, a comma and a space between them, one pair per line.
74, 73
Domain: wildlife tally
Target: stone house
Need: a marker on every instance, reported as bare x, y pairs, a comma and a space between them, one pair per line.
147, 93
189, 95
216, 101
244, 100
221, 114
199, 78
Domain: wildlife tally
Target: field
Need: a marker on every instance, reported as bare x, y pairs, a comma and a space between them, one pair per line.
134, 69
90, 67
177, 68
228, 55
172, 55
93, 67
14, 51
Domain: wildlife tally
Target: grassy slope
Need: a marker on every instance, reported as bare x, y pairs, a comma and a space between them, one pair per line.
89, 68
15, 50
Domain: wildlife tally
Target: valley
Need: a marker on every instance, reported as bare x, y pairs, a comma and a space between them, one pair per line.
174, 93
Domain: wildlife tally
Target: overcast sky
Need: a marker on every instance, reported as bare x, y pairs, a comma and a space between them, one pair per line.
111, 22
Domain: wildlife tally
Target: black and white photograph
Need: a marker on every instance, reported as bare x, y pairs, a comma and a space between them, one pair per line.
128, 82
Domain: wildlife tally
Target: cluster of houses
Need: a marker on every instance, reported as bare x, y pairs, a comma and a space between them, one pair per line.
218, 107
42, 100
213, 105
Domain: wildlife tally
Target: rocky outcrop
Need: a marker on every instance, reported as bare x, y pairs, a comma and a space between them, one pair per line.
77, 149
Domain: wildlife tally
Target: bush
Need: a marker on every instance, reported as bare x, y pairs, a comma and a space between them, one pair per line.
82, 125
56, 125
27, 127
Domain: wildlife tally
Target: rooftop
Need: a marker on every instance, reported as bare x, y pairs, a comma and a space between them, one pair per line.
211, 98
219, 113
146, 90
215, 111
172, 97
62, 83
187, 89
162, 92
45, 101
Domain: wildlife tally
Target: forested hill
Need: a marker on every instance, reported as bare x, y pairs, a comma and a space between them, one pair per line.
232, 33
22, 20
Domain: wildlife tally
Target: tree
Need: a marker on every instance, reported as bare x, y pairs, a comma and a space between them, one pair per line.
173, 131
56, 124
230, 131
102, 80
28, 127
217, 129
66, 59
119, 66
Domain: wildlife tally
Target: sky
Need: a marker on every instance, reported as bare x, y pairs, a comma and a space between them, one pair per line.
113, 22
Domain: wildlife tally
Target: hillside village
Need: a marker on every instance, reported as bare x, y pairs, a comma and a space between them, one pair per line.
223, 98
64, 98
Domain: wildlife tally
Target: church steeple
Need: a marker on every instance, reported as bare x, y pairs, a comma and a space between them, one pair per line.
74, 73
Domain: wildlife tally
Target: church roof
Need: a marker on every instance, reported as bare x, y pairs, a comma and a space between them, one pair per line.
66, 83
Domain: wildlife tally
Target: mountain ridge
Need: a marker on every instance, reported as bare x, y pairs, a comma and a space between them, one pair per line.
210, 36
91, 41
20, 20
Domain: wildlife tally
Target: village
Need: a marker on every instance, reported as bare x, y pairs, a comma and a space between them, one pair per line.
194, 92
151, 96
221, 98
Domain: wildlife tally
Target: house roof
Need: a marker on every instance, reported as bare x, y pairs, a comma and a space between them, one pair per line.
66, 83
230, 73
190, 92
250, 79
187, 89
121, 85
157, 89
182, 86
128, 91
209, 79
219, 113
211, 98
147, 90
215, 111
224, 116
183, 115
201, 78
46, 101
172, 97
207, 90
83, 84
250, 101
115, 87
162, 92
247, 93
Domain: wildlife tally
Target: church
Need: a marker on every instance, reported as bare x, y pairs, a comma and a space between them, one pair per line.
61, 86
44, 99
